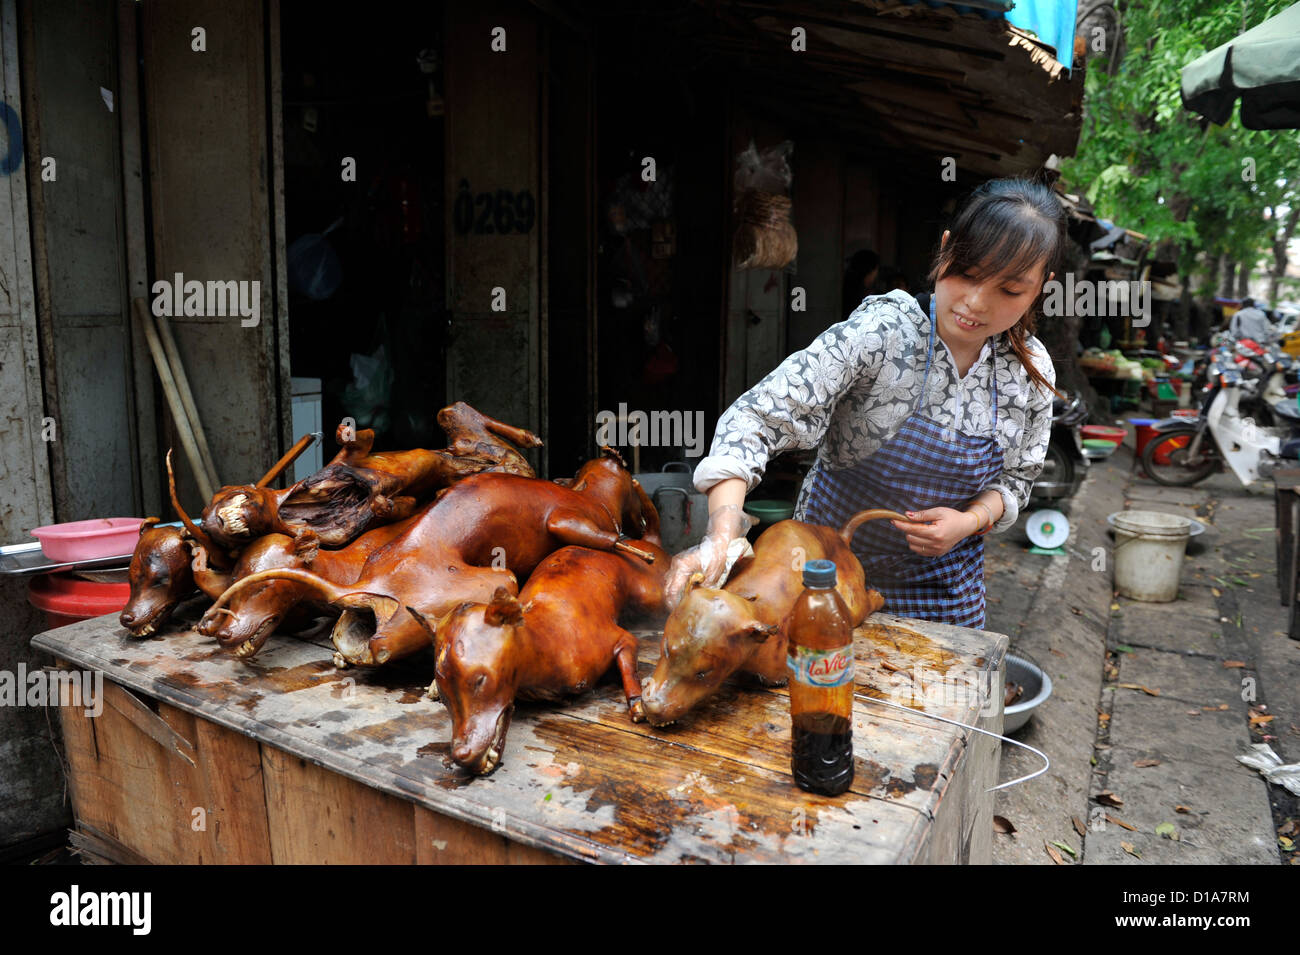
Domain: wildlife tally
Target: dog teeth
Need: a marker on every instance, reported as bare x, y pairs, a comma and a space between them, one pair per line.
246, 649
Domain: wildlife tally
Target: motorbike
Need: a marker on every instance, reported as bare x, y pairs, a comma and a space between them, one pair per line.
1185, 452
1066, 464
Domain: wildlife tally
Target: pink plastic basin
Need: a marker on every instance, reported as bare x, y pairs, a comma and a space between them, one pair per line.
89, 540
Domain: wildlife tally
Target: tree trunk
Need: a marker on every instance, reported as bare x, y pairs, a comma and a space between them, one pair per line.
1227, 278
1279, 254
1243, 280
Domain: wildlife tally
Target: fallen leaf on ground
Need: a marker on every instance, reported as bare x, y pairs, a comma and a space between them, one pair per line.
1216, 591
1056, 856
1076, 611
1283, 841
1121, 823
1128, 847
1143, 763
1193, 712
1108, 798
1104, 717
1168, 830
1287, 828
1124, 648
1137, 686
1182, 808
1059, 653
1114, 606
1256, 720
1082, 830
1233, 664
1065, 847
1003, 824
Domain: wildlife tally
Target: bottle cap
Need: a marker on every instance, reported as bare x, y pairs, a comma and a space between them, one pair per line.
819, 573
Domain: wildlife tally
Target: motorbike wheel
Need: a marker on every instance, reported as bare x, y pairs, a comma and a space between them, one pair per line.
1165, 458
1058, 468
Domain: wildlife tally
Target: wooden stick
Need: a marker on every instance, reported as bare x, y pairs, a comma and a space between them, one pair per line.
290, 456
145, 320
187, 397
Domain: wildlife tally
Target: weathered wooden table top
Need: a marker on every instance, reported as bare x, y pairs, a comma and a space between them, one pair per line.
583, 780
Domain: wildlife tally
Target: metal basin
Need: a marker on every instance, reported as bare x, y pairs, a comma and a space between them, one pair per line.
1038, 687
683, 511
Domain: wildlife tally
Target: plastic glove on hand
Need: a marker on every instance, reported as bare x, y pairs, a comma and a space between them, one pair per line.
710, 558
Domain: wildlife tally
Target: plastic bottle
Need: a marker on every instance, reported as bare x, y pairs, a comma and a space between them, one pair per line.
819, 658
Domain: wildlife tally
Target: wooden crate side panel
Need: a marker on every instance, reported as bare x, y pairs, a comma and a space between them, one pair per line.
226, 784
131, 787
318, 817
441, 840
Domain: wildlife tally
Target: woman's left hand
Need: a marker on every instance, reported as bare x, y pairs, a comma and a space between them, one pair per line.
944, 529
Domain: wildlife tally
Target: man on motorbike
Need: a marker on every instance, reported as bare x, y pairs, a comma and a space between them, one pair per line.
1250, 322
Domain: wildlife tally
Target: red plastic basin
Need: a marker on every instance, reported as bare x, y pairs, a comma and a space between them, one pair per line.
1104, 433
67, 599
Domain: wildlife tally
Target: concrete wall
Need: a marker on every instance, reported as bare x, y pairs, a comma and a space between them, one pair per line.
31, 785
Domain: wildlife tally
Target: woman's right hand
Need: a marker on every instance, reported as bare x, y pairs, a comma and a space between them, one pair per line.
708, 558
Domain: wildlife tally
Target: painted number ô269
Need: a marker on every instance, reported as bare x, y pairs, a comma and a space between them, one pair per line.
486, 213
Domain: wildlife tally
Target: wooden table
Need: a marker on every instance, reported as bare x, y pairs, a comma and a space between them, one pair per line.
200, 757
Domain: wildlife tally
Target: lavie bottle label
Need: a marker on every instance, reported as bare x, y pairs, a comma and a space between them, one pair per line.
821, 668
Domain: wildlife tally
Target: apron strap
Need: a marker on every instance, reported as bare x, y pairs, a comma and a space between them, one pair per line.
929, 354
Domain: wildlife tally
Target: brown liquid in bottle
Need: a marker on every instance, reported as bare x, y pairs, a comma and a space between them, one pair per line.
820, 664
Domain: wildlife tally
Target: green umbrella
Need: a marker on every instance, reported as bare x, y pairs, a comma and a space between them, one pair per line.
1262, 66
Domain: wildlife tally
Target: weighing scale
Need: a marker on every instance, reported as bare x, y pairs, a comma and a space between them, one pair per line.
1048, 531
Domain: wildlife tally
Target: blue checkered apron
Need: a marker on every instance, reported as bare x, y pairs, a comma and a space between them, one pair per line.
924, 465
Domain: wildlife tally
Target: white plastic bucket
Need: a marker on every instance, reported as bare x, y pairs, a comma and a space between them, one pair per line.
1149, 548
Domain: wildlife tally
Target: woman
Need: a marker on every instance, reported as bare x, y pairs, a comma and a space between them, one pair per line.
944, 416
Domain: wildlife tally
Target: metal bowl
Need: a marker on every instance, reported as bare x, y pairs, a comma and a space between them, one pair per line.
1038, 687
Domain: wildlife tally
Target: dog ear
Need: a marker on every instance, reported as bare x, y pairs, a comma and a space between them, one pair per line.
759, 632
695, 581
148, 523
423, 621
504, 610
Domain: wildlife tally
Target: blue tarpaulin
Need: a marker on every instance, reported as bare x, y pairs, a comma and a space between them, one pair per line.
1052, 21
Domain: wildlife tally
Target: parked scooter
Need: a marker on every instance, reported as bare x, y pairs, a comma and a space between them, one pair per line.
1185, 452
1066, 464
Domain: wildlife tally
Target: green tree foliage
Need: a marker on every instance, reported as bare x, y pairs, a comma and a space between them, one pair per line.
1146, 162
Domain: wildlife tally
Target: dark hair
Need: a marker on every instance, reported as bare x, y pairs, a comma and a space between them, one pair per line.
1007, 226
1247, 302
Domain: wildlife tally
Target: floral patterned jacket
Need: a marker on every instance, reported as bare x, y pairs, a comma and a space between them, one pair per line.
850, 391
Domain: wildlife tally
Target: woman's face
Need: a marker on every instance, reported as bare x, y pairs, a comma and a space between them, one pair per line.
969, 312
